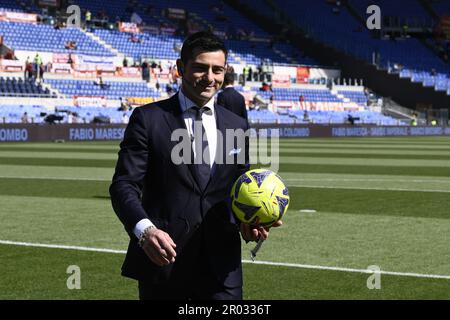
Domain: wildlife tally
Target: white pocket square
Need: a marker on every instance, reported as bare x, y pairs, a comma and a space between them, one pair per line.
234, 151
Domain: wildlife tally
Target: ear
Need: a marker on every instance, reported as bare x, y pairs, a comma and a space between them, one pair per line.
180, 67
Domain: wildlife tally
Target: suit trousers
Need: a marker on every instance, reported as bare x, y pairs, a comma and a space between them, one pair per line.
191, 279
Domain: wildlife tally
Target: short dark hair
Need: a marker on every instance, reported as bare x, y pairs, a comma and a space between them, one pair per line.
228, 78
205, 41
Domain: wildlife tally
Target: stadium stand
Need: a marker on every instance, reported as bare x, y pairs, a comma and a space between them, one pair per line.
45, 38
345, 30
250, 47
17, 87
112, 90
14, 113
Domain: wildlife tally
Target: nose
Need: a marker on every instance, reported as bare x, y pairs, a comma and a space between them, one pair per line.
209, 75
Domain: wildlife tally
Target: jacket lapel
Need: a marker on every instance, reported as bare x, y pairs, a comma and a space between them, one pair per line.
174, 119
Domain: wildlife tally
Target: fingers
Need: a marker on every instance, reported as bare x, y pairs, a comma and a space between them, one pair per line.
249, 233
160, 248
168, 247
156, 257
263, 233
277, 224
253, 233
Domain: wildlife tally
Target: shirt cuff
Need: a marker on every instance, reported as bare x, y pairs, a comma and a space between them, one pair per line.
141, 226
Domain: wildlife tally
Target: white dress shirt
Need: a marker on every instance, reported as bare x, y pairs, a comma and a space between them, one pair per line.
209, 123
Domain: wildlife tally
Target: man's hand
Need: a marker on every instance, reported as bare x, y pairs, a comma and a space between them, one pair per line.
159, 247
253, 233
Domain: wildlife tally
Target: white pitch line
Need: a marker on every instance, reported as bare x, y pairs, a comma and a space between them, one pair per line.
308, 266
286, 179
364, 180
367, 188
290, 182
57, 246
56, 178
278, 264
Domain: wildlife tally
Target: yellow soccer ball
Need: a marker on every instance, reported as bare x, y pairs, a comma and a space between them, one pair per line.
259, 197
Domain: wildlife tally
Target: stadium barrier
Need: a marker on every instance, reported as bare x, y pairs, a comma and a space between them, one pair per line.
102, 132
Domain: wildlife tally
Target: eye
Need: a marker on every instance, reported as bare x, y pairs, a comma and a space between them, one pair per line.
218, 70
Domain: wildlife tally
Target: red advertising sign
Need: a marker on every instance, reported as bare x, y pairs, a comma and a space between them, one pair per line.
18, 17
130, 72
61, 57
302, 74
128, 27
83, 101
11, 65
281, 80
61, 68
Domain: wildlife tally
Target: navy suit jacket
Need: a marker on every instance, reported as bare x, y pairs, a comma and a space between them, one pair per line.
233, 101
147, 184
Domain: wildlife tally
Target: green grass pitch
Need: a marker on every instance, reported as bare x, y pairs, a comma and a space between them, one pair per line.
378, 201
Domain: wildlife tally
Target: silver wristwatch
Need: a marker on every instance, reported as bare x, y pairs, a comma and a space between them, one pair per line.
142, 238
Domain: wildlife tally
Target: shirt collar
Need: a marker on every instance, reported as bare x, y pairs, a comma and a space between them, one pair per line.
186, 103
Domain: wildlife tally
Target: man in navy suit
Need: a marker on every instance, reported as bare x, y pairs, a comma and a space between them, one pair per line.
230, 98
184, 239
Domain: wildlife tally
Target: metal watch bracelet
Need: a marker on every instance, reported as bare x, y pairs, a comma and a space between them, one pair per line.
142, 238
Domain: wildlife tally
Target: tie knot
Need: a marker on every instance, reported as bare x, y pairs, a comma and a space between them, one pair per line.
199, 111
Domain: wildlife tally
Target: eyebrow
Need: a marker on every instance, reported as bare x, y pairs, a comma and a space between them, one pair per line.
199, 64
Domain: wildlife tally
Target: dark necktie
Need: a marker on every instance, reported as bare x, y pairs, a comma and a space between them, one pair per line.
202, 158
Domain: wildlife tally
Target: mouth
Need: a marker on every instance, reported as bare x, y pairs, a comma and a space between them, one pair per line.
209, 88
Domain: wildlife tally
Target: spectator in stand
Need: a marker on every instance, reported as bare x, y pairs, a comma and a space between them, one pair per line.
145, 71
24, 118
125, 62
37, 59
101, 84
305, 116
28, 69
134, 38
245, 73
72, 117
69, 60
123, 106
70, 45
34, 71
250, 74
87, 18
265, 87
41, 72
